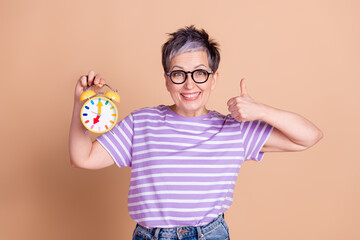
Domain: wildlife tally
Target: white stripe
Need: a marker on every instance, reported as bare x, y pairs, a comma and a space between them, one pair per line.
174, 129
224, 142
184, 175
122, 145
197, 192
251, 139
175, 218
115, 148
188, 144
258, 140
186, 123
152, 114
182, 184
159, 128
125, 136
192, 201
228, 134
245, 135
203, 166
159, 135
241, 125
158, 150
157, 158
163, 143
177, 209
128, 128
202, 125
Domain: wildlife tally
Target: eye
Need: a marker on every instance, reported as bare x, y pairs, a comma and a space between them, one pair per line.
177, 74
200, 73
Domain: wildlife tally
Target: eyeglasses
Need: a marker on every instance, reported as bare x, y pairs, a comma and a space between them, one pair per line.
180, 76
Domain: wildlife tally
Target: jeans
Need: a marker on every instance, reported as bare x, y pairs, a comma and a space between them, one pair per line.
215, 230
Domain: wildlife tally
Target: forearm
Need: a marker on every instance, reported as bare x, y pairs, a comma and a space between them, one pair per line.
294, 127
80, 143
83, 152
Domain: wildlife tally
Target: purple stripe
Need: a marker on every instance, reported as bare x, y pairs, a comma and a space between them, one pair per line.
179, 125
254, 146
152, 224
247, 140
183, 179
174, 214
190, 140
178, 188
187, 161
118, 147
178, 129
185, 153
178, 147
261, 143
251, 139
183, 196
162, 132
179, 205
182, 170
112, 152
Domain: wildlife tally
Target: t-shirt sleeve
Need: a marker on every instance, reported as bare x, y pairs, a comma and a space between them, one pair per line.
118, 142
255, 135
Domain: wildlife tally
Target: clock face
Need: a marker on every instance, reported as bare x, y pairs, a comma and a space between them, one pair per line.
99, 114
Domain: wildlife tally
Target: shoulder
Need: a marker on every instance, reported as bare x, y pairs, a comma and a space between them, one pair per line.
228, 119
150, 111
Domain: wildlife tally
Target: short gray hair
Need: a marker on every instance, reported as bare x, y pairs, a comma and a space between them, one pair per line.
190, 39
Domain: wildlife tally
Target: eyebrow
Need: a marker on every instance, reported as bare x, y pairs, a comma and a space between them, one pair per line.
197, 66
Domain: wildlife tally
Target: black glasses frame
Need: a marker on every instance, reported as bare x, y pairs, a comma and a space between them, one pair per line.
192, 75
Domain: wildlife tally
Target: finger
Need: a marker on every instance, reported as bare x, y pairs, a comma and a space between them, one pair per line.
83, 81
233, 108
231, 101
243, 87
236, 116
97, 80
90, 78
102, 81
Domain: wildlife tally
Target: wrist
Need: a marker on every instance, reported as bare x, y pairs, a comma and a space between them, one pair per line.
265, 112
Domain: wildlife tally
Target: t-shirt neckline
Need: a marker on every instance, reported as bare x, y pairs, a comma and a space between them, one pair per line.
198, 118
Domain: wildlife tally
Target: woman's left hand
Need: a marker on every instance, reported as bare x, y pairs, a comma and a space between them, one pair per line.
292, 132
243, 107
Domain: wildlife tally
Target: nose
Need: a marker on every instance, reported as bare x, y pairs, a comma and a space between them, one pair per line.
189, 83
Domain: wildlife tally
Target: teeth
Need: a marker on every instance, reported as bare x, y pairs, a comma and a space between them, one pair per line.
191, 95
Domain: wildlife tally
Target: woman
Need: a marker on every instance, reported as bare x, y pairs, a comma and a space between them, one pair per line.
184, 157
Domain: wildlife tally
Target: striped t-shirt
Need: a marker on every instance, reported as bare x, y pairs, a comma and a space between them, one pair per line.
183, 169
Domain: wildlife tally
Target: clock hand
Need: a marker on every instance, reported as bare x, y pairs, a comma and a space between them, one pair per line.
99, 105
96, 113
96, 120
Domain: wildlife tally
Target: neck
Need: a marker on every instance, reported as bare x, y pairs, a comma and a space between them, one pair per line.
196, 113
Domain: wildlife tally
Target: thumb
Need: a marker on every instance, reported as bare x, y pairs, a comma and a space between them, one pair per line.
243, 90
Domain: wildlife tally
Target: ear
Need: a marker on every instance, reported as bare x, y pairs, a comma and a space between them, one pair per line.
215, 78
167, 84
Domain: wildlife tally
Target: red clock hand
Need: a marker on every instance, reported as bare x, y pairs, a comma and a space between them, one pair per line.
96, 120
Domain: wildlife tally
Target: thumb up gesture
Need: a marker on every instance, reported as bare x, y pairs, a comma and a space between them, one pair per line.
243, 107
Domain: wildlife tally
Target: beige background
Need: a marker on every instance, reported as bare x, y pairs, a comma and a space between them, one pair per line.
302, 56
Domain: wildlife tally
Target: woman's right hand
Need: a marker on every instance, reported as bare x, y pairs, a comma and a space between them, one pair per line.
87, 80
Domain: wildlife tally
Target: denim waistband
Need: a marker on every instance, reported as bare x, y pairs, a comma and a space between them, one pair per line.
184, 231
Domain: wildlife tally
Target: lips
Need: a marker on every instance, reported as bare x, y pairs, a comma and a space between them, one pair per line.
190, 96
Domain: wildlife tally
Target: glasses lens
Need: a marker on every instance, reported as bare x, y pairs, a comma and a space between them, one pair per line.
178, 76
200, 76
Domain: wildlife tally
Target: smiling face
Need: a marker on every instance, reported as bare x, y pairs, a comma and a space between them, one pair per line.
190, 98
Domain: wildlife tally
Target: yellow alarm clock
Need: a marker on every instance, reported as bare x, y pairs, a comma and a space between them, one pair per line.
99, 113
